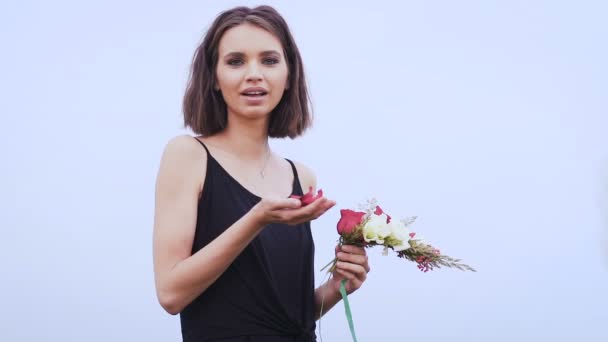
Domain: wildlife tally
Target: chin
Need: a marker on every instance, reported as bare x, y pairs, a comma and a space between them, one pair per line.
255, 113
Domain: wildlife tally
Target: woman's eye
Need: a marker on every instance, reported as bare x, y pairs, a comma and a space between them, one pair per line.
235, 62
270, 61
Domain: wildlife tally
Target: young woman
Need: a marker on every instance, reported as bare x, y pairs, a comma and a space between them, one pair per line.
233, 253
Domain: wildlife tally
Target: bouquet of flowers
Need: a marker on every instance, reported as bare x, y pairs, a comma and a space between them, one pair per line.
370, 227
373, 227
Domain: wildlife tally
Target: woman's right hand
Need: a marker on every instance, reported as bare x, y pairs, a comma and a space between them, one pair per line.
289, 210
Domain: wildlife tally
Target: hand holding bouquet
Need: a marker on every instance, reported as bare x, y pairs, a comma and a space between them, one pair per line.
373, 227
370, 227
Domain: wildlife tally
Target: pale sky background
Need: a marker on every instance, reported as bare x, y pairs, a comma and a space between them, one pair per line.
486, 119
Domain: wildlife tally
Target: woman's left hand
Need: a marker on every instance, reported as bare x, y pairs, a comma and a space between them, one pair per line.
353, 265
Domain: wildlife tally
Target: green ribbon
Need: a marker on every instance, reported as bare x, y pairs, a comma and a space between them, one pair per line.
349, 315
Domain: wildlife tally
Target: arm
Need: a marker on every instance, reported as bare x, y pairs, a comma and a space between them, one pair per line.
179, 276
352, 265
328, 295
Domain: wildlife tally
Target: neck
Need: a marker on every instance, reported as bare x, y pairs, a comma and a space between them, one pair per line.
246, 139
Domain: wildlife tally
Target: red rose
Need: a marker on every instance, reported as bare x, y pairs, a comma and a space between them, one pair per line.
380, 212
349, 220
308, 197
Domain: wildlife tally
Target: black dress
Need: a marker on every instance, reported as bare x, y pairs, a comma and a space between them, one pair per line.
267, 293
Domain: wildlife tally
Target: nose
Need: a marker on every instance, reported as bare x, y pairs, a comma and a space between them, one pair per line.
253, 73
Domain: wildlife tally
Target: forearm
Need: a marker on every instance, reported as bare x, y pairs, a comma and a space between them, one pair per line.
193, 275
326, 295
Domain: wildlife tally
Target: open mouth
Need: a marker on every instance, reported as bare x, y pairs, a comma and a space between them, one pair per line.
257, 93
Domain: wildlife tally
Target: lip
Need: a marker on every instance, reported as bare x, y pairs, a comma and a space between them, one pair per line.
251, 89
254, 100
257, 100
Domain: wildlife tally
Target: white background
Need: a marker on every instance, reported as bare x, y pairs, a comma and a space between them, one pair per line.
487, 119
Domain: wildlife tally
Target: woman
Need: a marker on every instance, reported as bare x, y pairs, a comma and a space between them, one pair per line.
233, 253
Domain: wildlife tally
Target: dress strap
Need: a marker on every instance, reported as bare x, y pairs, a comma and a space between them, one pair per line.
297, 186
293, 168
206, 149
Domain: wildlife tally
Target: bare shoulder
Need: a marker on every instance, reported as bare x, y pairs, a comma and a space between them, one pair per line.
183, 145
307, 176
184, 151
183, 156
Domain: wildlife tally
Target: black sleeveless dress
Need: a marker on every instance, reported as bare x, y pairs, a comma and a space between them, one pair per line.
267, 293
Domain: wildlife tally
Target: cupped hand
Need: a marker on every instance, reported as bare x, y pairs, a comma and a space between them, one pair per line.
289, 210
352, 265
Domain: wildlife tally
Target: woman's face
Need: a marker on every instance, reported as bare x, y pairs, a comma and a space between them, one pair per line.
251, 72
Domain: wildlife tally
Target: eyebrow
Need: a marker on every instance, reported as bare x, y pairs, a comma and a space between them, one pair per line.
263, 53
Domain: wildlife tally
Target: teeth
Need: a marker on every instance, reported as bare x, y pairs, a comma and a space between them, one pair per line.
254, 93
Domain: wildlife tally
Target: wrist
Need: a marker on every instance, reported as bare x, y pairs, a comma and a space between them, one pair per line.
330, 289
257, 217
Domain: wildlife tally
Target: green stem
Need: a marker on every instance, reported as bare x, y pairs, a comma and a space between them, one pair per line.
331, 263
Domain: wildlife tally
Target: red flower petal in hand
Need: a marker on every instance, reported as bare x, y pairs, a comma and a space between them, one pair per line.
308, 197
349, 220
380, 212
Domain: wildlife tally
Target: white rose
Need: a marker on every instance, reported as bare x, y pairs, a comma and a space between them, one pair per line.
376, 229
399, 236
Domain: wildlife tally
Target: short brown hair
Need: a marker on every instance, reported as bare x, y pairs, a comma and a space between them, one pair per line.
204, 108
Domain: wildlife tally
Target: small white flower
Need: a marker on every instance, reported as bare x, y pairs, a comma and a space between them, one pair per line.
399, 231
376, 229
409, 220
399, 236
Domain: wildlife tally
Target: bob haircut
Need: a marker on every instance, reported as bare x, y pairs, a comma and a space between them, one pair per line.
205, 111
